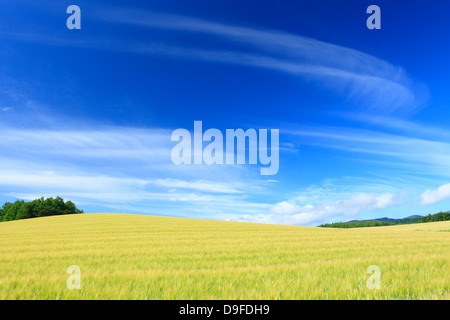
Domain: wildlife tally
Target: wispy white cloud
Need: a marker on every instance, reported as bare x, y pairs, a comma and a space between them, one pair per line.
419, 155
120, 168
106, 142
200, 185
372, 81
369, 81
115, 166
87, 166
404, 126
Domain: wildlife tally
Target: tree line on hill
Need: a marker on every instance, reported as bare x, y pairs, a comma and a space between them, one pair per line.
440, 216
37, 208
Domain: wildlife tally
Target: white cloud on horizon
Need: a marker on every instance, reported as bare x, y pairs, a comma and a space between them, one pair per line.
87, 165
291, 213
437, 195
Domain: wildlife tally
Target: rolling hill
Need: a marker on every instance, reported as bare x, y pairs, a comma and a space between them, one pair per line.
148, 257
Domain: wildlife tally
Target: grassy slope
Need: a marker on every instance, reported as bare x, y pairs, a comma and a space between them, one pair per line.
144, 257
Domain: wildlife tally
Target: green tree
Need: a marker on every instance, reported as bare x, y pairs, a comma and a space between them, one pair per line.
440, 216
11, 210
24, 212
37, 208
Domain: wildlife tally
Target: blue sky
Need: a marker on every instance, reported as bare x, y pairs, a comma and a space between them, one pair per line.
363, 114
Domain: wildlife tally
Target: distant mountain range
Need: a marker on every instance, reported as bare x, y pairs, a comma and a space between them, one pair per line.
414, 217
440, 216
373, 222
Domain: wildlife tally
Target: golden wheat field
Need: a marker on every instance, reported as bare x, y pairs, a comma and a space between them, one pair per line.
147, 257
